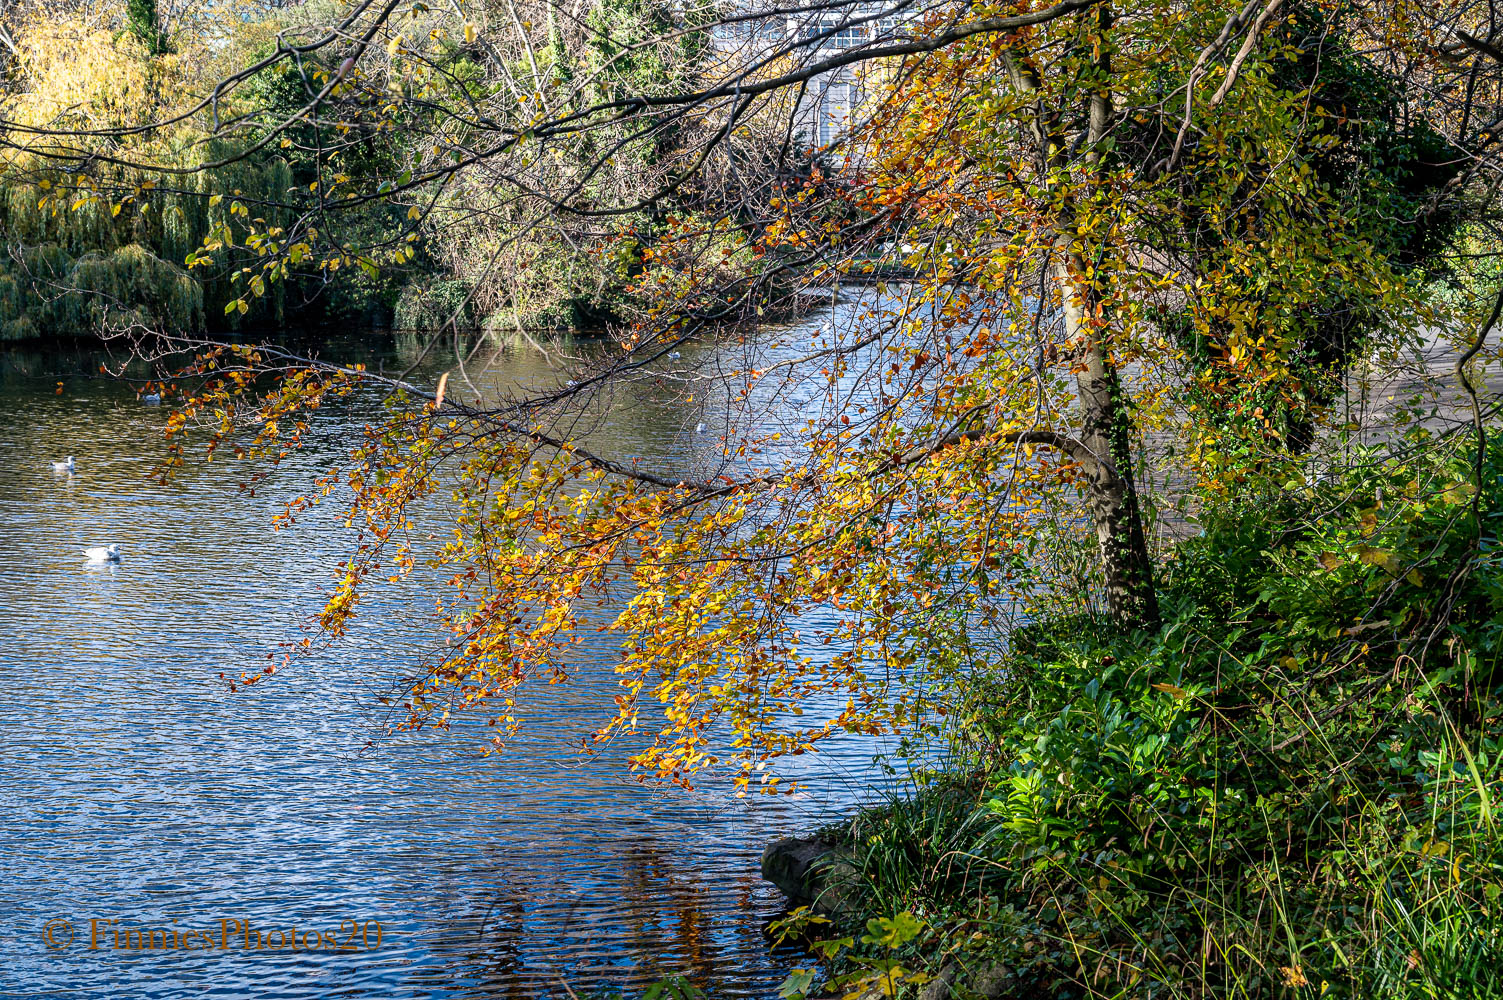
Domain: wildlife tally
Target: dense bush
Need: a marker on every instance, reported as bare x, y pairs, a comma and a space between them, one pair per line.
433, 306
1289, 790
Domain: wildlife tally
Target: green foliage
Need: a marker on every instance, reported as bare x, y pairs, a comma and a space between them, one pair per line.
138, 244
1289, 790
220, 227
236, 225
141, 21
1356, 168
571, 273
47, 292
673, 988
622, 58
429, 307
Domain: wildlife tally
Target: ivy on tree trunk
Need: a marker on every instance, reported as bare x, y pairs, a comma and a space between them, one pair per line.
141, 17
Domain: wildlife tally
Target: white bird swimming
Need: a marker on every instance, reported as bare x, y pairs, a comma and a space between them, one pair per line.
64, 466
103, 553
700, 429
152, 398
675, 356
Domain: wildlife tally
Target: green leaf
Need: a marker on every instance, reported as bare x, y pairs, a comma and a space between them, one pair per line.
673, 988
797, 985
829, 948
893, 932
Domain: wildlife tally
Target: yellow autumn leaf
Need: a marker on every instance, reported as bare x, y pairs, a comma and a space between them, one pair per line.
1381, 558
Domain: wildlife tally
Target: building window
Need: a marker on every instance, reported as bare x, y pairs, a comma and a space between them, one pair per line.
828, 35
836, 107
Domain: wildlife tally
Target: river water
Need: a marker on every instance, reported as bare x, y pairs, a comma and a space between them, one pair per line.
140, 795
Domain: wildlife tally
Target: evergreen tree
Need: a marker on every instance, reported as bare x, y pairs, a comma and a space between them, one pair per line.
141, 17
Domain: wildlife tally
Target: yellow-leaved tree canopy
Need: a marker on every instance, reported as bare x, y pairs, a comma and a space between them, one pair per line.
1097, 233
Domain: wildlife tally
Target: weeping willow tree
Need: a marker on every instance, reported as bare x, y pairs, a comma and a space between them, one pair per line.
94, 246
127, 263
44, 291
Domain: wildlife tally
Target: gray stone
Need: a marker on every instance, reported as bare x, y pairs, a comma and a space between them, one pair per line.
810, 873
941, 986
994, 982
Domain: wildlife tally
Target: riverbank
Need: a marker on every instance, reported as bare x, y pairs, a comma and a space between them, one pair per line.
1288, 789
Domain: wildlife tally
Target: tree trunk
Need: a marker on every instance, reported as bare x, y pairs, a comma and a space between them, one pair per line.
1106, 421
1106, 430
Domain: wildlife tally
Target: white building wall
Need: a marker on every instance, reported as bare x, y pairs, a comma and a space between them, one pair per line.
832, 104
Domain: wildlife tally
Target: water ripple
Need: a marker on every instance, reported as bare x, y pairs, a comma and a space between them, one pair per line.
138, 790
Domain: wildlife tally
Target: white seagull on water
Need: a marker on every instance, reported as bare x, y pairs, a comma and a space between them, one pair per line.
64, 466
103, 553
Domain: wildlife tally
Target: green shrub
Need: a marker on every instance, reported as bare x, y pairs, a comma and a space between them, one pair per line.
429, 307
1288, 790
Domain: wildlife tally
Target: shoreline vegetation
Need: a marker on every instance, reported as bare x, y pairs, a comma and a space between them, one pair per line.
1266, 796
194, 228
